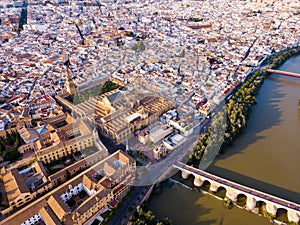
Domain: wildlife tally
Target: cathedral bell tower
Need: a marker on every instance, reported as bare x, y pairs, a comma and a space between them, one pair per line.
70, 86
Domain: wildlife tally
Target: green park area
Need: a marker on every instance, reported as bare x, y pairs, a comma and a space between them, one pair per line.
9, 146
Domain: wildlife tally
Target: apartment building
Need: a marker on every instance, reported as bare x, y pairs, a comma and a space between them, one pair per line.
20, 185
57, 137
82, 197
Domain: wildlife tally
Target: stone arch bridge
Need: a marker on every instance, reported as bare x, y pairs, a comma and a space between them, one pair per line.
233, 189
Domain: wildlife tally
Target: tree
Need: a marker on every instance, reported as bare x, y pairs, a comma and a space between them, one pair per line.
9, 138
18, 139
12, 154
108, 86
146, 217
1, 148
164, 221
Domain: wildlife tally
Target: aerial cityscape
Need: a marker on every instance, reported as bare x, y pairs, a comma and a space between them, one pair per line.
149, 112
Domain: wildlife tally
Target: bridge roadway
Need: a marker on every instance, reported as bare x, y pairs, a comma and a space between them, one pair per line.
284, 73
226, 183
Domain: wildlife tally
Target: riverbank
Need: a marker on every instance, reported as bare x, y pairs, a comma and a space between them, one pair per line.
215, 211
184, 205
239, 107
220, 194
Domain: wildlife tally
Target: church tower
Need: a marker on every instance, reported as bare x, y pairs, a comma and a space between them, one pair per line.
70, 86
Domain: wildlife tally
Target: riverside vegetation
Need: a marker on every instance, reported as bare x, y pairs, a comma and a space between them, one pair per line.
238, 108
142, 216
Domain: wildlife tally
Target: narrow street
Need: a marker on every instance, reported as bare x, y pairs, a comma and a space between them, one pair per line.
119, 217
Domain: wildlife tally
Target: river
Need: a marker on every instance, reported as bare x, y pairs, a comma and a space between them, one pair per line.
266, 157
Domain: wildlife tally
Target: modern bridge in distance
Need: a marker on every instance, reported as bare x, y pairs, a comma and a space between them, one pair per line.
233, 189
284, 73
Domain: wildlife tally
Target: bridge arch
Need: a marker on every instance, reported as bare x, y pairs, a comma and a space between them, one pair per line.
256, 201
221, 192
261, 205
206, 185
282, 215
241, 200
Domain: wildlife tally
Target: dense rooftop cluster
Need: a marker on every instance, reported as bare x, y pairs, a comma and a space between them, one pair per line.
158, 43
165, 66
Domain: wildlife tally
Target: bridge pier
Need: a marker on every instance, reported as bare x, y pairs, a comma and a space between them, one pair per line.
231, 194
251, 203
271, 208
213, 186
293, 216
198, 181
184, 174
271, 203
